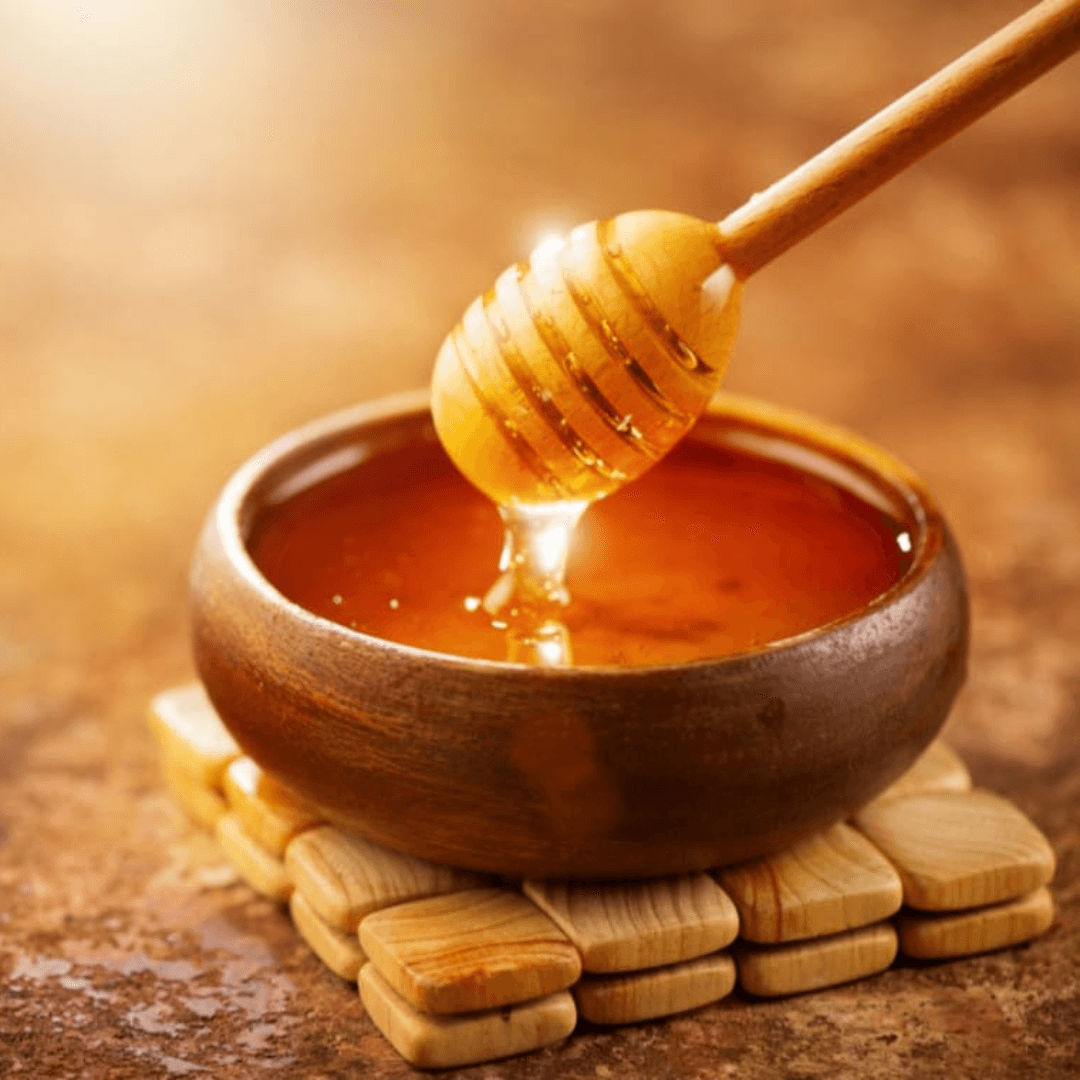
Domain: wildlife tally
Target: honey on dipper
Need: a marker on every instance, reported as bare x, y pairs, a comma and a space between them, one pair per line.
579, 369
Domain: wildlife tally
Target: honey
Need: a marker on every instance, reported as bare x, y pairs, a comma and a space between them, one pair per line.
714, 551
583, 365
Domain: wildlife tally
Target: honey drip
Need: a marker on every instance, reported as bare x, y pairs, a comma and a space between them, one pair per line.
528, 597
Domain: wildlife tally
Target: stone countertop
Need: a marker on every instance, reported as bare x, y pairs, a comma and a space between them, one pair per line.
216, 223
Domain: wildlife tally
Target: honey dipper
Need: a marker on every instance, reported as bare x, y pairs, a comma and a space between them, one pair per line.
580, 368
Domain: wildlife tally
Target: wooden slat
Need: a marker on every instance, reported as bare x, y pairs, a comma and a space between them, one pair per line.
647, 995
938, 937
443, 1042
469, 950
833, 881
341, 953
345, 877
644, 924
272, 814
204, 805
776, 970
959, 850
263, 871
191, 733
937, 769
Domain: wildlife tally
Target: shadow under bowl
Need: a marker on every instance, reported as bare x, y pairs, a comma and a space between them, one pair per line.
580, 772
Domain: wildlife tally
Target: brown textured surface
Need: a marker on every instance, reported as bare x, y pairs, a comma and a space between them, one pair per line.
214, 229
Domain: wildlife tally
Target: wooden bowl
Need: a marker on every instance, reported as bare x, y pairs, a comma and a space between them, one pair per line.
580, 772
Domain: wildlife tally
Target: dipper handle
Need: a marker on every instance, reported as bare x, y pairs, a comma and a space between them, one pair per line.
899, 135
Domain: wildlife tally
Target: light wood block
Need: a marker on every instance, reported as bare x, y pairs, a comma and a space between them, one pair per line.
938, 937
341, 953
937, 769
775, 970
272, 814
647, 995
833, 881
444, 1042
959, 850
344, 877
469, 950
262, 870
191, 733
204, 805
643, 924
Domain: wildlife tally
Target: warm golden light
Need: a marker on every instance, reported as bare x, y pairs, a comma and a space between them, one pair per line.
550, 245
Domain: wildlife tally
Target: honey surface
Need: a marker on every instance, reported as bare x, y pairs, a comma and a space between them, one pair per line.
714, 551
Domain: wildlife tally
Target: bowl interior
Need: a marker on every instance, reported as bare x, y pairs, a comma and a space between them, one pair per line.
300, 463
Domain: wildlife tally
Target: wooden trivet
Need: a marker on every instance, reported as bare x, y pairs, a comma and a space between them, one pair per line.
338, 950
271, 813
830, 882
345, 877
639, 924
959, 849
260, 868
455, 969
465, 951
813, 964
634, 996
435, 1042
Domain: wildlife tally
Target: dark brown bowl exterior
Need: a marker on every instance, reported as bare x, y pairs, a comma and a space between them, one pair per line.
584, 773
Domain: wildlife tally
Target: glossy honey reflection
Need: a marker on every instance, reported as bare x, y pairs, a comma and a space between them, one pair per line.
713, 552
580, 368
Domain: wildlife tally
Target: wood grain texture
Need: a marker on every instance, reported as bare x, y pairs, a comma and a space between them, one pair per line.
191, 733
340, 952
272, 814
261, 869
345, 877
833, 881
646, 995
204, 805
939, 937
634, 925
937, 769
472, 950
957, 850
777, 970
443, 1042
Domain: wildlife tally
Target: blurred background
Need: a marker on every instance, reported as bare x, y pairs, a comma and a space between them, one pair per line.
221, 219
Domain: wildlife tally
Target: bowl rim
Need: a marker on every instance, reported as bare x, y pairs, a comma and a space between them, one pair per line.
238, 503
